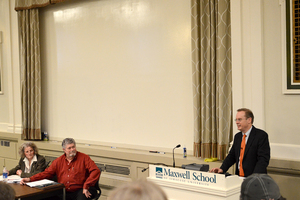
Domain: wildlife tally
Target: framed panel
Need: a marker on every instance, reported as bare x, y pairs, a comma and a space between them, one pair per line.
1, 85
291, 46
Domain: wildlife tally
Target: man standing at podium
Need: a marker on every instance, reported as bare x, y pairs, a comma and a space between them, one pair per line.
250, 151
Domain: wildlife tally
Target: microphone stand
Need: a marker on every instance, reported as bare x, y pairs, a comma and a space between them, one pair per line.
173, 153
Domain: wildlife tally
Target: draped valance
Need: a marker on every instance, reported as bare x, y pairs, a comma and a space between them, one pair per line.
30, 4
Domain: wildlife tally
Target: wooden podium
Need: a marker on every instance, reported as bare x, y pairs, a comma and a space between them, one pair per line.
183, 184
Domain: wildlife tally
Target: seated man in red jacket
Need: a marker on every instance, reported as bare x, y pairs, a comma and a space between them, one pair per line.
76, 170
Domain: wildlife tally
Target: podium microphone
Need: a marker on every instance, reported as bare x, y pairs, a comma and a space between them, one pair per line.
173, 154
145, 169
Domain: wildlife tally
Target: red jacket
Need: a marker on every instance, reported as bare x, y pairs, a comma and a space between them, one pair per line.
81, 172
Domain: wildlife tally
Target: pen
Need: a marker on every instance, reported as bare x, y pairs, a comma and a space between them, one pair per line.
45, 185
160, 152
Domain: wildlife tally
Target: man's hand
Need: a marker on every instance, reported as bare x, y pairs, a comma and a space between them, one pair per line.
19, 172
24, 180
86, 193
216, 170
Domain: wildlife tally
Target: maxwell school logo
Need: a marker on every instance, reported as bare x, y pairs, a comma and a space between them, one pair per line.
187, 176
159, 172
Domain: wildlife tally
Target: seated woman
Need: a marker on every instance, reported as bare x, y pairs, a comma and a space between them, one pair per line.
30, 162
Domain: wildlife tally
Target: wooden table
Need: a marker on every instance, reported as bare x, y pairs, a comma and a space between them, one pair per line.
24, 192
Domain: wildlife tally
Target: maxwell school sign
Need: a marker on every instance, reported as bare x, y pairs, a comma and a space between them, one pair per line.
186, 176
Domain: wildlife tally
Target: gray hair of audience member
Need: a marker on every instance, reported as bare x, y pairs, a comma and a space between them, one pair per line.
6, 192
138, 190
260, 186
25, 145
67, 141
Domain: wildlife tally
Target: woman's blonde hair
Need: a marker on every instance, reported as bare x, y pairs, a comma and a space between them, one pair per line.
27, 144
138, 190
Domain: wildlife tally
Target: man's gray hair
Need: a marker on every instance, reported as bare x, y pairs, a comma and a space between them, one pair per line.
67, 141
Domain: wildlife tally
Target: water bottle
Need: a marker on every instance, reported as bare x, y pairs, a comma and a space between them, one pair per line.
5, 173
46, 137
184, 152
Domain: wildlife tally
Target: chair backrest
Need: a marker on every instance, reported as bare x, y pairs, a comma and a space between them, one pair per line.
49, 161
98, 190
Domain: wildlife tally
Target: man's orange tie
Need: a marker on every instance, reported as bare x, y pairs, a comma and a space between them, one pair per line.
243, 146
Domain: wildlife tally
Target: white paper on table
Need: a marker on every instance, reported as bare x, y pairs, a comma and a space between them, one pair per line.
40, 183
12, 178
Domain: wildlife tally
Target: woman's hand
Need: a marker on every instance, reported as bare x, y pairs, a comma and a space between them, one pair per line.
19, 172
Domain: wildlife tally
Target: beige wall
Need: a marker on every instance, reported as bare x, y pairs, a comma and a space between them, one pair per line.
282, 116
257, 74
10, 101
257, 84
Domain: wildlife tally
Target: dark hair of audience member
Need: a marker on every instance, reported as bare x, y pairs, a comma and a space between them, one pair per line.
6, 192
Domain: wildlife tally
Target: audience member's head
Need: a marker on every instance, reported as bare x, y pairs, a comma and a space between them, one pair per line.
138, 190
6, 192
260, 187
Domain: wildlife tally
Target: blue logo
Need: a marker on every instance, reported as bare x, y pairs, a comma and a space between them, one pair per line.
159, 172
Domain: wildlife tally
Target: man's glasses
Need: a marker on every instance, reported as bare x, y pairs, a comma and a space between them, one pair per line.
238, 120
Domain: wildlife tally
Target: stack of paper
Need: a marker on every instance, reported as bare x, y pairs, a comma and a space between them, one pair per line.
42, 183
12, 179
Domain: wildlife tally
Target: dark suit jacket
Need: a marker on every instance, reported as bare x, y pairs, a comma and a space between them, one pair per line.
256, 156
37, 167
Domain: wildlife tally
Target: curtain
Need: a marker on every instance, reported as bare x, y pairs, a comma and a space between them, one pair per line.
28, 15
211, 63
30, 74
